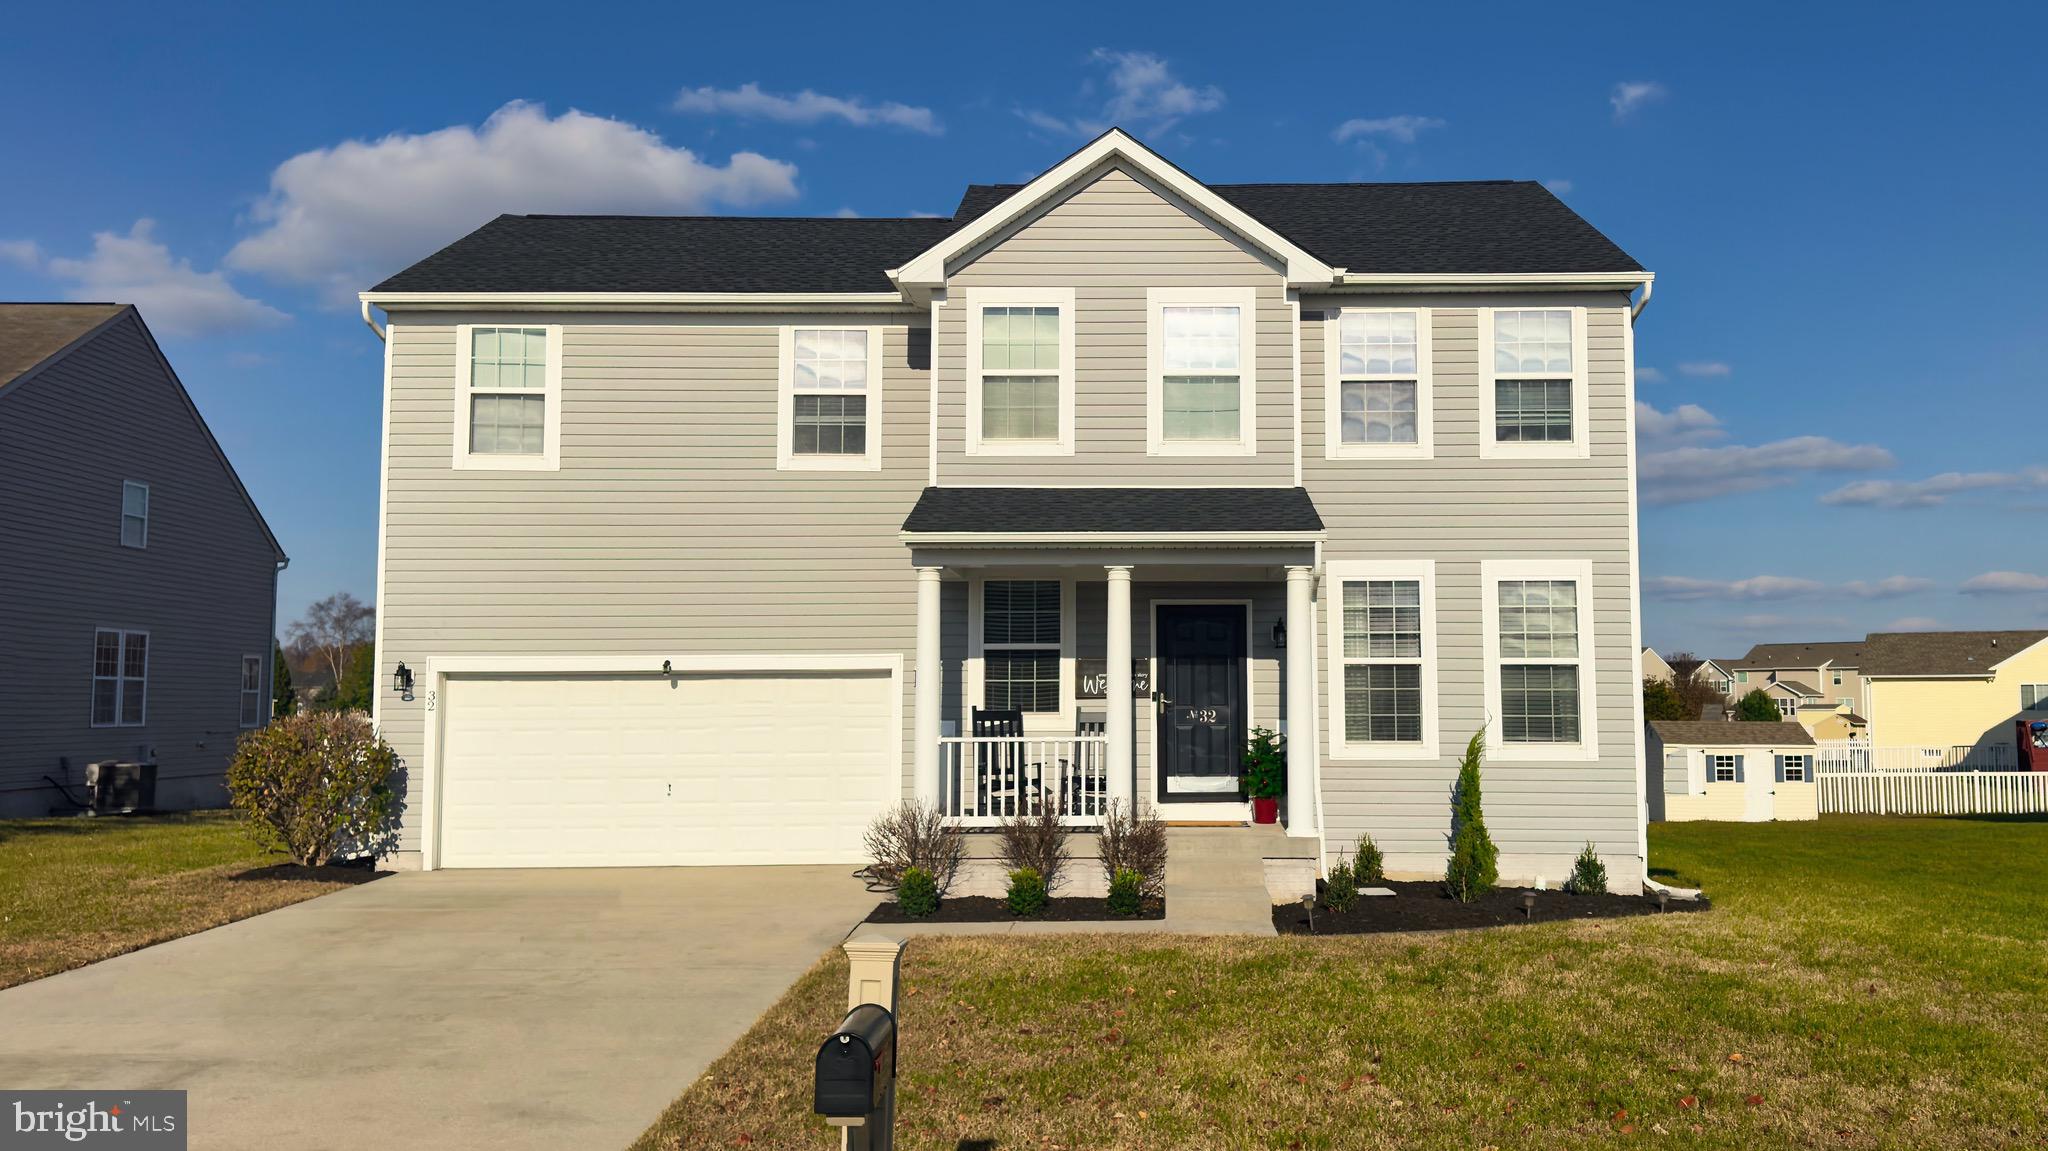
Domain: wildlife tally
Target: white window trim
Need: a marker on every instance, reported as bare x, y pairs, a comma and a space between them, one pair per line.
550, 457
257, 691
1805, 768
1713, 769
1334, 447
144, 517
977, 300
120, 681
2040, 697
1246, 301
974, 683
1337, 574
786, 458
1491, 573
1580, 446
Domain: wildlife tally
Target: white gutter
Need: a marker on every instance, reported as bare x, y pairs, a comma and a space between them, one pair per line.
1109, 539
1643, 301
629, 301
368, 319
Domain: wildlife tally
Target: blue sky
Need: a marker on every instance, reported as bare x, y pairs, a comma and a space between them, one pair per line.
1842, 206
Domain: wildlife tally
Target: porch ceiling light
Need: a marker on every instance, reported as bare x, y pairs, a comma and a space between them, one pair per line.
1280, 632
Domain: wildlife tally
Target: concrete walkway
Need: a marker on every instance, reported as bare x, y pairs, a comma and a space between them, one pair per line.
458, 1009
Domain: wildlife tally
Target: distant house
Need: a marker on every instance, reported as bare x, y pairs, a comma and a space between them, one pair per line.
1716, 674
138, 581
1655, 668
1818, 685
1954, 690
1739, 772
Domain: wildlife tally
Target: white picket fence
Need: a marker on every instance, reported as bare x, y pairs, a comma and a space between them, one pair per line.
1933, 792
1851, 757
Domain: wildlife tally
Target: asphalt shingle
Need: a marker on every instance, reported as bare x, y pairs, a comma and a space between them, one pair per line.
1132, 511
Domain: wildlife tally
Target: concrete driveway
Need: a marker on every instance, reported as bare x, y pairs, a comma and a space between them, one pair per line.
458, 1009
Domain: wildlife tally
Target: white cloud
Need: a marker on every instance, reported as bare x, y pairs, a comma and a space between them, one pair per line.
174, 298
1143, 95
1686, 423
1776, 622
1704, 368
2005, 583
1649, 375
1685, 474
847, 214
1558, 187
749, 102
1762, 587
344, 217
1629, 96
1930, 492
26, 253
1402, 129
1914, 623
1890, 587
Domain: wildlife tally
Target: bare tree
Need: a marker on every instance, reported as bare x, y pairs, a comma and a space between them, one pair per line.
333, 628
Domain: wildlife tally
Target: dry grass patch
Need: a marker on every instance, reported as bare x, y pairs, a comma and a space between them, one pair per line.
75, 891
1861, 984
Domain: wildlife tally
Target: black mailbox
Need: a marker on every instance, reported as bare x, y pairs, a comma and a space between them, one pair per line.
856, 1064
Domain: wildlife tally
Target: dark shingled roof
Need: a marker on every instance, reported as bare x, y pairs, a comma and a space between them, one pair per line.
1943, 652
1731, 733
1125, 511
1477, 226
1772, 656
32, 333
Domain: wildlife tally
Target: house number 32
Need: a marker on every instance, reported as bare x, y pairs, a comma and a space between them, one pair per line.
1201, 715
430, 701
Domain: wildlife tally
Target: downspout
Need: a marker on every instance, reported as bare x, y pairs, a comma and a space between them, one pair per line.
270, 673
1642, 302
368, 319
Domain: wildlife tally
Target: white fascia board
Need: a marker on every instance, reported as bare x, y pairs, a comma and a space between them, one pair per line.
1108, 539
1490, 281
641, 301
928, 268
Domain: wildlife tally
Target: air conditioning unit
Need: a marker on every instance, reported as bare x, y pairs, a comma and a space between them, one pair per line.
116, 787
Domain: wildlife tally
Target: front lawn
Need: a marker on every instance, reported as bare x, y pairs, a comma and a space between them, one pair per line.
1861, 982
73, 891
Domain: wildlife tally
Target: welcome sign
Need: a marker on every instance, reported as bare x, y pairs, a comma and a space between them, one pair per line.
1091, 678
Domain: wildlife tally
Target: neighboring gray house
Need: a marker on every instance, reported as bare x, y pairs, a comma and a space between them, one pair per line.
138, 582
704, 539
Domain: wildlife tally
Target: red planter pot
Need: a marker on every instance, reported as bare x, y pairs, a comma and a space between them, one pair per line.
1265, 811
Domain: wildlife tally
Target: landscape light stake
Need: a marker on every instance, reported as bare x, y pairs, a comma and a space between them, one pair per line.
1663, 898
1528, 905
1308, 904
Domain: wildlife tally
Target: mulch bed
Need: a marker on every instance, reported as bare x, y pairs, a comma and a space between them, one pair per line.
989, 909
1425, 907
351, 871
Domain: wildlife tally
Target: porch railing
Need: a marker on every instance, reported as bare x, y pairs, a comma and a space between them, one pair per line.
985, 779
1835, 757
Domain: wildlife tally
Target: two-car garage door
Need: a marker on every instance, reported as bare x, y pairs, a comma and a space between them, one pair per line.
651, 770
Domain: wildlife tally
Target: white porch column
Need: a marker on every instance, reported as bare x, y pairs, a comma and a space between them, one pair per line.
1117, 649
925, 720
1301, 702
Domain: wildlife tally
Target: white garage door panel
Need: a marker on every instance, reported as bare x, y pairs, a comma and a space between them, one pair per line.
602, 771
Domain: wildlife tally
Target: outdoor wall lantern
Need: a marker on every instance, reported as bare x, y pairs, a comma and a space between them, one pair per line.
1280, 632
401, 682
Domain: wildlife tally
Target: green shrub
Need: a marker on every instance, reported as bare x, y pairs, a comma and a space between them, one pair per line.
1126, 892
1662, 701
1589, 875
1371, 866
1133, 839
316, 785
1340, 891
1027, 892
917, 893
1758, 707
1265, 765
1474, 867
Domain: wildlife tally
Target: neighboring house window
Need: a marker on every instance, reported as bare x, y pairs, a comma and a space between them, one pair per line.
1721, 768
1741, 677
1200, 389
1020, 372
508, 397
120, 677
1538, 658
1787, 707
2034, 697
134, 514
252, 690
1846, 701
1838, 679
1020, 637
1384, 634
1795, 769
1376, 383
1532, 389
830, 409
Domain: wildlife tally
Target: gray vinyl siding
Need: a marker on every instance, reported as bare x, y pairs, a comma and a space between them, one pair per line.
1459, 510
668, 529
203, 588
1115, 237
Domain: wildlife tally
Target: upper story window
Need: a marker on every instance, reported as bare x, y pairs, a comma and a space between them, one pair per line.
508, 397
2034, 697
1385, 635
1788, 707
1532, 388
1838, 679
252, 690
134, 514
1538, 659
1020, 371
1200, 384
1020, 640
1376, 384
120, 678
830, 409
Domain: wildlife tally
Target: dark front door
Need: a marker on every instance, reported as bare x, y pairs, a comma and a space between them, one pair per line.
1202, 696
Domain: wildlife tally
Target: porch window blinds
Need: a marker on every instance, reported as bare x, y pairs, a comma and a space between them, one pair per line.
1383, 661
1020, 635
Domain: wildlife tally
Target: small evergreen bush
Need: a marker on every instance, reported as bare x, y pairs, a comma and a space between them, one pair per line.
317, 786
917, 893
1027, 892
1340, 891
1474, 867
1126, 892
1589, 875
1371, 867
1265, 765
